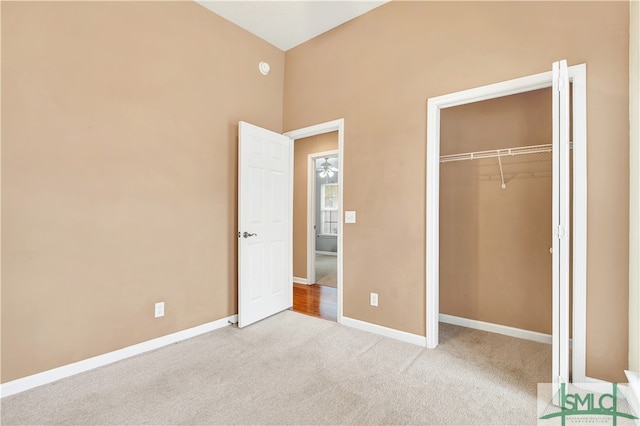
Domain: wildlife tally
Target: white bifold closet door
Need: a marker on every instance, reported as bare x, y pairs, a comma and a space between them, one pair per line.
561, 225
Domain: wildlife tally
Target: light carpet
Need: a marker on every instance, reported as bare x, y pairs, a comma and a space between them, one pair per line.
326, 270
295, 369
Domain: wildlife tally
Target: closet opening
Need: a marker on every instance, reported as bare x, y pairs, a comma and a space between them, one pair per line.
496, 220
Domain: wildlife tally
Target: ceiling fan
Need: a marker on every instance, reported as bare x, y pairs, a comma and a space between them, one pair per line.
326, 169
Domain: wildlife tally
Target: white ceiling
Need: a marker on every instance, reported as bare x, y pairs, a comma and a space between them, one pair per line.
286, 24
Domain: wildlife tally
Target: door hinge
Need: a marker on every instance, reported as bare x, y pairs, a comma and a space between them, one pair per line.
559, 232
560, 84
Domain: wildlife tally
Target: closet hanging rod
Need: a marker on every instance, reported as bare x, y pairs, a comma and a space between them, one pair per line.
533, 149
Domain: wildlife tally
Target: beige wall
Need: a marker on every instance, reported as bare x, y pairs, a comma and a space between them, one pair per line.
377, 72
119, 145
301, 150
495, 264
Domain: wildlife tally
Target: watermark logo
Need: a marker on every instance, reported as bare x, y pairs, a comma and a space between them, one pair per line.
575, 403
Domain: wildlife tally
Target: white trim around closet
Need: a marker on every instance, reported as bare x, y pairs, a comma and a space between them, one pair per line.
577, 75
634, 194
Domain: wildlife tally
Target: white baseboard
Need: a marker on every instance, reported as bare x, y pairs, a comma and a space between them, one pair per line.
496, 328
39, 379
384, 331
328, 253
299, 280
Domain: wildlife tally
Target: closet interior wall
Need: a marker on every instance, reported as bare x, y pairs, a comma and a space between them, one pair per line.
495, 263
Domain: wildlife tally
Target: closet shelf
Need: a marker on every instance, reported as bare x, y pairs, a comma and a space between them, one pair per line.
533, 149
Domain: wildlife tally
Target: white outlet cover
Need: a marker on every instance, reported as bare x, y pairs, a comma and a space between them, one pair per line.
159, 310
373, 299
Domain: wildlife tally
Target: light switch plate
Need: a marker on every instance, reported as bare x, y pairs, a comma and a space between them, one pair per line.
349, 217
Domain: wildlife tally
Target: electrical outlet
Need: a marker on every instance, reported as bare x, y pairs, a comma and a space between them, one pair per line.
373, 299
159, 311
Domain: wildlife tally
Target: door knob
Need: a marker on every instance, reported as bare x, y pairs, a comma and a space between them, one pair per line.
245, 234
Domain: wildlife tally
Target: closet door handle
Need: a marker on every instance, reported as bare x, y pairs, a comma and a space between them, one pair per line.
245, 234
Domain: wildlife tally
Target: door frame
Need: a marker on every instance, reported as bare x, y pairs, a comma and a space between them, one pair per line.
319, 129
311, 209
577, 76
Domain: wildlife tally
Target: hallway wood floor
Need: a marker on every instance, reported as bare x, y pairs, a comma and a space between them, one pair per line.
315, 300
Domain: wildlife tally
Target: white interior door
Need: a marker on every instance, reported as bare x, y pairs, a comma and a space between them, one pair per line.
561, 226
264, 223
